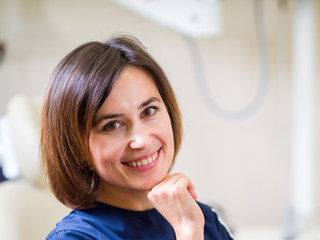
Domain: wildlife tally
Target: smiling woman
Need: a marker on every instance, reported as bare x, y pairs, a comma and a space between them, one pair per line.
111, 130
132, 144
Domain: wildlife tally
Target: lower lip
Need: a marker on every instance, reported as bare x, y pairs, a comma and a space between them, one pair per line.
146, 167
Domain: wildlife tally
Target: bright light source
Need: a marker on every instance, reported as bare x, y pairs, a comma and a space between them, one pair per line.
194, 18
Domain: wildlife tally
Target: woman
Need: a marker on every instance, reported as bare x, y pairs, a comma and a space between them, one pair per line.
111, 130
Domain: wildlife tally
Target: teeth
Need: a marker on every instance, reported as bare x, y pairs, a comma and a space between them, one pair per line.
143, 162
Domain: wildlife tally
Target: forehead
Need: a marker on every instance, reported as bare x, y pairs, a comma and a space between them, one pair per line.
132, 87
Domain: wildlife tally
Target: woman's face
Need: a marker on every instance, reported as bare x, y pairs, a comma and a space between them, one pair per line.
131, 142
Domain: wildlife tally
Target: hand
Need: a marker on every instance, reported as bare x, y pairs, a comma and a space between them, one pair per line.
175, 198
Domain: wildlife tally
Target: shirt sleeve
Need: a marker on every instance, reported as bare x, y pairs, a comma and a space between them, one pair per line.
215, 227
222, 227
68, 234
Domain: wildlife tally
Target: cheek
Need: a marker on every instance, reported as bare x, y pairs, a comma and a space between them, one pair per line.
94, 152
100, 151
167, 135
106, 159
171, 144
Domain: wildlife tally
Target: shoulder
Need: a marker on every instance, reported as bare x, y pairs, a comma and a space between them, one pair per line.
214, 224
68, 234
76, 225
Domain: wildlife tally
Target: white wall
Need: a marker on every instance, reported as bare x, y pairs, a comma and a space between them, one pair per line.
242, 165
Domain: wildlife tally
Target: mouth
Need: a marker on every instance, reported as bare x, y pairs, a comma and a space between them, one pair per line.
143, 162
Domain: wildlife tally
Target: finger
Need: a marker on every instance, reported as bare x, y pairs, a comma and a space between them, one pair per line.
186, 182
167, 181
174, 183
193, 193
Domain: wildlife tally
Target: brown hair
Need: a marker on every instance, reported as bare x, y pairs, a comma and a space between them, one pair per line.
79, 85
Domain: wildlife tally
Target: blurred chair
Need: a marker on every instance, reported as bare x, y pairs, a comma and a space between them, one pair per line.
28, 210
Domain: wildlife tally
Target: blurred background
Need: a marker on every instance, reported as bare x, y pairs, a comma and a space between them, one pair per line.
246, 75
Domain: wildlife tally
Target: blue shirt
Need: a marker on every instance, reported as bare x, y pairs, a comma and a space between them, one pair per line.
111, 223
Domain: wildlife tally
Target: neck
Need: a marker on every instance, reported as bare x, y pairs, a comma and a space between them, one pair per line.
135, 200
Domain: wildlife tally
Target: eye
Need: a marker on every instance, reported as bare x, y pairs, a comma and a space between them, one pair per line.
111, 126
149, 111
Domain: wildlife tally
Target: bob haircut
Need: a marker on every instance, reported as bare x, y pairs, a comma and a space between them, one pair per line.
78, 87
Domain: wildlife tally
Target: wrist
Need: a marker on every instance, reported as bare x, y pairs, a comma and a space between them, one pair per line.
189, 232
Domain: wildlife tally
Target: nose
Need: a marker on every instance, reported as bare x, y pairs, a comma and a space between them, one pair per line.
140, 137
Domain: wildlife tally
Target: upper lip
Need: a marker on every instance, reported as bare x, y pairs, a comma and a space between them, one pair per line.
146, 156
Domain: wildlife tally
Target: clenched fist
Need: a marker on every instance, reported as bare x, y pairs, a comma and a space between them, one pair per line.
175, 199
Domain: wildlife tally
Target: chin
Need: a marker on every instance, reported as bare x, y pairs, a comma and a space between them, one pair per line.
150, 184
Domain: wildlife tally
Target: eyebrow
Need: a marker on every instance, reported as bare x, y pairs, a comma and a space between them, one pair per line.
146, 103
117, 115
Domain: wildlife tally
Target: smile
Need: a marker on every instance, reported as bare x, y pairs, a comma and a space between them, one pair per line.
143, 162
